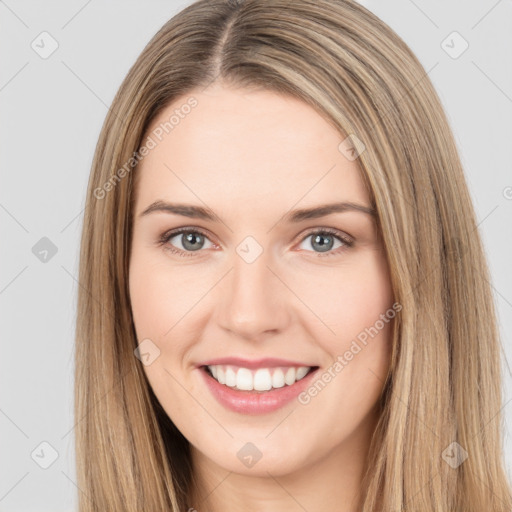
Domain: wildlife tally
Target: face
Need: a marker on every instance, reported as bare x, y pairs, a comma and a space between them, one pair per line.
259, 293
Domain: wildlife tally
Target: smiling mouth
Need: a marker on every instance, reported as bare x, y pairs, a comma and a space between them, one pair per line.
261, 380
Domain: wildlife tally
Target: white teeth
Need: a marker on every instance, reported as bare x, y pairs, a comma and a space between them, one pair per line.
262, 379
301, 372
244, 379
230, 377
278, 378
289, 377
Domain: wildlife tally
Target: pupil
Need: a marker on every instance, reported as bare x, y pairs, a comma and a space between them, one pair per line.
323, 247
189, 241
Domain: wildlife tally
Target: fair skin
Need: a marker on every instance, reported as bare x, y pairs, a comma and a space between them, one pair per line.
252, 157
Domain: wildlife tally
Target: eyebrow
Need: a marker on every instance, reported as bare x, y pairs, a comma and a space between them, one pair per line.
199, 212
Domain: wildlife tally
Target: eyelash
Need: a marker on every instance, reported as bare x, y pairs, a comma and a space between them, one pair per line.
165, 237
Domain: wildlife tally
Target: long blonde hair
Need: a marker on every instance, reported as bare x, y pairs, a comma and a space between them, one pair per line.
445, 377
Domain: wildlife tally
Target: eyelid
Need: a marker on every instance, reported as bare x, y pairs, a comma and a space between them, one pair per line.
344, 237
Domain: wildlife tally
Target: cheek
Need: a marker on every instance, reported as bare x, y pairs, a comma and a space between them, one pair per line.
159, 297
360, 311
160, 301
349, 298
166, 308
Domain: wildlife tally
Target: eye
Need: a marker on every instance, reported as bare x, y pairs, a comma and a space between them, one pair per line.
192, 240
189, 240
322, 241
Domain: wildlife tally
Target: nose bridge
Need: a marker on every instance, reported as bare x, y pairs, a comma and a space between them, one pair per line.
253, 298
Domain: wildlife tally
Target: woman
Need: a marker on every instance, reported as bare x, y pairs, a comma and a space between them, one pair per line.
285, 300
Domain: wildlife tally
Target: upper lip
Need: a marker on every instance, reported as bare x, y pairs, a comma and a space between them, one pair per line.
266, 362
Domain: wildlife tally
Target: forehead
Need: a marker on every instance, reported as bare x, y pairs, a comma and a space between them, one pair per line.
254, 149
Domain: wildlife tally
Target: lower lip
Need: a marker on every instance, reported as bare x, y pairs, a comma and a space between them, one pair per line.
255, 402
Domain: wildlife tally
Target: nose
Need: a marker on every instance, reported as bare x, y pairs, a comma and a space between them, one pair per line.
253, 301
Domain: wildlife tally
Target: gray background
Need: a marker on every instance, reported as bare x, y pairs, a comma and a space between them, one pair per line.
54, 109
